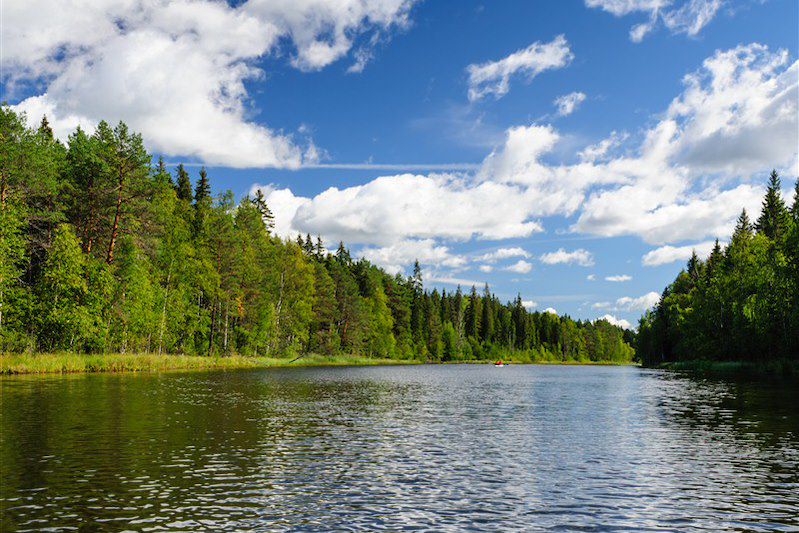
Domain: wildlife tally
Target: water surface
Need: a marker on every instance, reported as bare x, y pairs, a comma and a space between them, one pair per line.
427, 447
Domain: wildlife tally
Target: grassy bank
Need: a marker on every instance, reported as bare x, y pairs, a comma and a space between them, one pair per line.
66, 363
69, 363
737, 369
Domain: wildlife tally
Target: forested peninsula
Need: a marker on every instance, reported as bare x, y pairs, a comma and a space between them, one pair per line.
739, 305
103, 252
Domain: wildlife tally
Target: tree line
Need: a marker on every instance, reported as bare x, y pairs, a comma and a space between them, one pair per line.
742, 302
101, 251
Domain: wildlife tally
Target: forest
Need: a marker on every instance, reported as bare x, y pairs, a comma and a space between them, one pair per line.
741, 303
103, 251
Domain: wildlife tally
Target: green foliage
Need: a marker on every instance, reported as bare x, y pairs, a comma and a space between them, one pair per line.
741, 304
100, 253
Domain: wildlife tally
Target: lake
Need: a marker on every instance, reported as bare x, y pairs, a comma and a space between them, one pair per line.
456, 447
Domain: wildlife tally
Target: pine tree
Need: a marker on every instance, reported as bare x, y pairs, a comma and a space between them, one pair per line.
129, 166
183, 184
774, 215
259, 201
795, 206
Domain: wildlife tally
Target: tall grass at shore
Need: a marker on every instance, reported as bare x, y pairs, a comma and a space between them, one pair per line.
66, 363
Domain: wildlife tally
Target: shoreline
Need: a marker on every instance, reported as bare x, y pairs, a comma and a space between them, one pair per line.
70, 363
734, 369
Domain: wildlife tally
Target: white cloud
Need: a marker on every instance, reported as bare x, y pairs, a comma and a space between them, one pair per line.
486, 268
391, 208
580, 257
601, 305
599, 151
529, 304
670, 254
493, 77
568, 103
616, 321
503, 253
591, 277
641, 303
619, 278
736, 117
663, 190
551, 310
689, 18
520, 267
448, 279
176, 71
394, 257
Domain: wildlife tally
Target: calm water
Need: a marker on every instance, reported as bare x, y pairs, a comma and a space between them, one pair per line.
433, 447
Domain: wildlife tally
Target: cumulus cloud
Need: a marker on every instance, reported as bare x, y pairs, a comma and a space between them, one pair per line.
551, 310
503, 253
601, 150
671, 254
641, 303
630, 304
486, 268
176, 71
568, 103
622, 323
618, 278
493, 77
520, 267
659, 189
737, 116
579, 257
688, 17
591, 277
529, 304
393, 258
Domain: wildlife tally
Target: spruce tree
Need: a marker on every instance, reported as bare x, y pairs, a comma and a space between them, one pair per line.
45, 129
743, 227
183, 184
416, 279
202, 193
774, 215
161, 175
472, 315
487, 318
320, 248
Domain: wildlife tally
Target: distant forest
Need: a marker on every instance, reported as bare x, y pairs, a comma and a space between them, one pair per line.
101, 252
742, 303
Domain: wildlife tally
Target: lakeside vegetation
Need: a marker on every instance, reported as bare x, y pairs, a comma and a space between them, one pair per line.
71, 363
103, 253
68, 363
741, 305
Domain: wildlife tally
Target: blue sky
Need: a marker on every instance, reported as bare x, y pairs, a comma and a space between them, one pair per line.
356, 118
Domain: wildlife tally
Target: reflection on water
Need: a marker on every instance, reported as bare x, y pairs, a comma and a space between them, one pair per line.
431, 447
